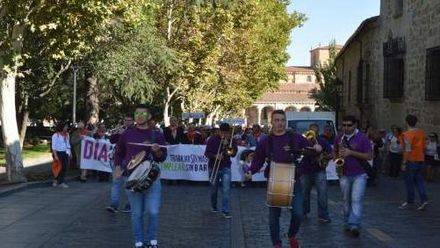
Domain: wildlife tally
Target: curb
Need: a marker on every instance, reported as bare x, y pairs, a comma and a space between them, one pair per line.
15, 188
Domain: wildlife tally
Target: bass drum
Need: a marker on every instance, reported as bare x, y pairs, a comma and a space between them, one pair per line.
143, 176
280, 185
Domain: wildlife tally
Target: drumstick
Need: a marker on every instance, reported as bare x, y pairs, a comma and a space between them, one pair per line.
144, 144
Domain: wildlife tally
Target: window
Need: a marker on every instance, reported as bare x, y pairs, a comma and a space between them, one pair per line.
309, 78
398, 8
432, 83
394, 70
349, 87
367, 82
360, 82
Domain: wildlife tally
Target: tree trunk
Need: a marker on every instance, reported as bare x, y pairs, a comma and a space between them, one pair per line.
24, 120
169, 96
210, 117
11, 140
92, 100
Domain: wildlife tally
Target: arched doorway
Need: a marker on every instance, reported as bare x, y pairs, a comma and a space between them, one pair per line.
252, 115
305, 109
291, 109
266, 112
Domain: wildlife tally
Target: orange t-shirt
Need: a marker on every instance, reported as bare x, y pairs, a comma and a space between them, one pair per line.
414, 145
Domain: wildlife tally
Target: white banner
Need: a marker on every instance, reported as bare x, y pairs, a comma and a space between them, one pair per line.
184, 162
188, 162
96, 154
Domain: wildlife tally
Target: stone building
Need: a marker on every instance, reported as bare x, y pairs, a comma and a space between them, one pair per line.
390, 66
292, 93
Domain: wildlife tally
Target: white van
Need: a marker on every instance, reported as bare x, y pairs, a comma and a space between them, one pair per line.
300, 121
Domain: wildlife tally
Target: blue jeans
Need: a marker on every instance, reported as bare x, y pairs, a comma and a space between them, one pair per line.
224, 174
115, 194
295, 219
146, 202
413, 177
64, 162
320, 180
353, 191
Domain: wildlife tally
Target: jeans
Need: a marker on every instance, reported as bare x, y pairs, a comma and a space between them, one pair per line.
395, 160
115, 195
353, 191
146, 202
64, 162
295, 219
320, 181
413, 177
224, 174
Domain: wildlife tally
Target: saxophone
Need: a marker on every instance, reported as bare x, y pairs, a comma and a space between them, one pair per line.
340, 161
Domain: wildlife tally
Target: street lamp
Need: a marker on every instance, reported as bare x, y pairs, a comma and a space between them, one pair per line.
75, 71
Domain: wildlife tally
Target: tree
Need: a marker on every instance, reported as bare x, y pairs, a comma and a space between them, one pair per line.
61, 30
326, 96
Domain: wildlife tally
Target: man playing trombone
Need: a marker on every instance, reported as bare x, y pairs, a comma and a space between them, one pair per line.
219, 150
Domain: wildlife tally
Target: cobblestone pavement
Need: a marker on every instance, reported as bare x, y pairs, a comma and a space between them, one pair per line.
75, 217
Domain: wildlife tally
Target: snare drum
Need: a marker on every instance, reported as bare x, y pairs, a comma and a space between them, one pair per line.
280, 185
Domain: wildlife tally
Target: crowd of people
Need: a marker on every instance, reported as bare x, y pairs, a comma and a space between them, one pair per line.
366, 153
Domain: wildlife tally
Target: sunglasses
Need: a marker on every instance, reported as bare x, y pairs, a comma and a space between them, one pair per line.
141, 114
347, 125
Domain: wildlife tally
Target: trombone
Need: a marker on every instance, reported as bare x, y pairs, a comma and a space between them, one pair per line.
221, 149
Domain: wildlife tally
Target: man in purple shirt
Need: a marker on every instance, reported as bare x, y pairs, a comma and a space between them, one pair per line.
118, 181
313, 173
355, 148
282, 147
147, 201
219, 152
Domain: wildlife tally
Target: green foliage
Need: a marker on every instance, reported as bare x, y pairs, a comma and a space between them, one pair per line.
326, 95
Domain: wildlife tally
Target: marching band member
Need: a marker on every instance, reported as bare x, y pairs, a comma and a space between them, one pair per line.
118, 180
281, 147
147, 201
313, 172
219, 150
354, 175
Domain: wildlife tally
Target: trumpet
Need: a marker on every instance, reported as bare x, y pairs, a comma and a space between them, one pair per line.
224, 148
323, 157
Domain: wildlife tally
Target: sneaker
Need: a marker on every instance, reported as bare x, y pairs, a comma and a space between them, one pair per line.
54, 184
227, 215
214, 210
324, 220
125, 210
405, 205
138, 245
355, 232
423, 206
293, 242
153, 244
63, 185
112, 210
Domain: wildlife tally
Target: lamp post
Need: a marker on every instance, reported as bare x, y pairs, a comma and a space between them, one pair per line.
75, 71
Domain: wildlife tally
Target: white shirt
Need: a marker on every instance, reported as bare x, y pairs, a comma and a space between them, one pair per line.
394, 146
61, 143
431, 148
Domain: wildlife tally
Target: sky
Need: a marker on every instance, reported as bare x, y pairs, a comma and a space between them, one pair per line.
326, 20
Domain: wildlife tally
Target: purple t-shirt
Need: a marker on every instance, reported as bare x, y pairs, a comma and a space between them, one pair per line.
281, 150
125, 151
310, 165
359, 143
211, 150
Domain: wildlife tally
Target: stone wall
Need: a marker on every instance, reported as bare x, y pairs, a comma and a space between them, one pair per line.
419, 25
